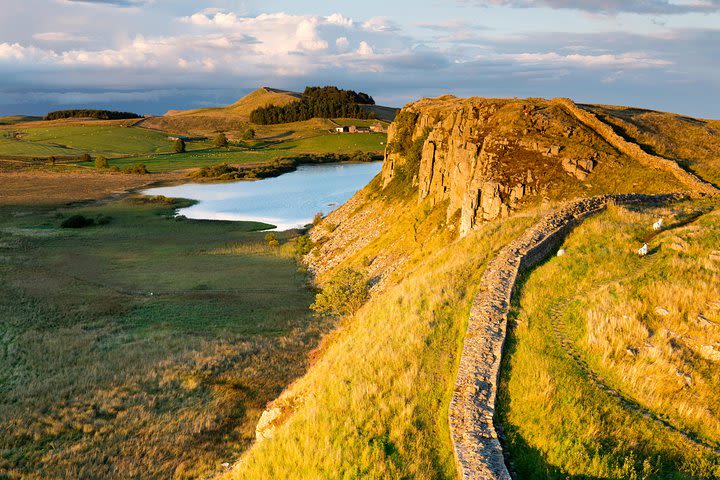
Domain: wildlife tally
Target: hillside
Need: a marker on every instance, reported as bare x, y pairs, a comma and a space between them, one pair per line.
461, 179
236, 117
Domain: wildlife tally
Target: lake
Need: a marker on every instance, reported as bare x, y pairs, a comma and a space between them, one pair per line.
288, 201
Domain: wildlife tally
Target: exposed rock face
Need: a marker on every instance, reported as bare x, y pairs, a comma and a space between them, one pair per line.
485, 156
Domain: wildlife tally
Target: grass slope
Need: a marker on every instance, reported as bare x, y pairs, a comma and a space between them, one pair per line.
561, 425
693, 143
375, 404
144, 348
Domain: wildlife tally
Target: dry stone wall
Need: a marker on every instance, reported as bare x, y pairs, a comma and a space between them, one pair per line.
633, 150
478, 451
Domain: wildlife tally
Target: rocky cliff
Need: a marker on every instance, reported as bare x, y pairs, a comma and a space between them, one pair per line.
452, 164
486, 156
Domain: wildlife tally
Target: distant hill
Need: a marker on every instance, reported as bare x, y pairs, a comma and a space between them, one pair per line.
13, 119
236, 117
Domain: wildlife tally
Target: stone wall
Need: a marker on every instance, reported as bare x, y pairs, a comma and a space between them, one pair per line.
478, 451
633, 150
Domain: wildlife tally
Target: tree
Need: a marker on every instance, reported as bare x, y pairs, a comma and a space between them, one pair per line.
179, 146
343, 294
248, 134
51, 159
85, 157
101, 162
220, 141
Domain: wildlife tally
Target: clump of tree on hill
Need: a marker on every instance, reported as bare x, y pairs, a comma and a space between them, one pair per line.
87, 113
316, 102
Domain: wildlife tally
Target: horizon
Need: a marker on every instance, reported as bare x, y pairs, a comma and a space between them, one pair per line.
150, 56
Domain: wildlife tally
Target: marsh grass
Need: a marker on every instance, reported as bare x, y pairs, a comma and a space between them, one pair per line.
559, 424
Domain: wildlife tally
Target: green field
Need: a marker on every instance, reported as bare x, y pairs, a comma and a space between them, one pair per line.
111, 140
142, 348
126, 146
637, 326
327, 143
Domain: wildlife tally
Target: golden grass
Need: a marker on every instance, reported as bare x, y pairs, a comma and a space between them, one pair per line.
559, 424
375, 403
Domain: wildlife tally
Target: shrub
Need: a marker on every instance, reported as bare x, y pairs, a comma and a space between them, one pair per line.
343, 294
102, 219
101, 162
317, 218
77, 221
303, 245
272, 240
179, 146
85, 157
248, 134
220, 141
114, 168
137, 169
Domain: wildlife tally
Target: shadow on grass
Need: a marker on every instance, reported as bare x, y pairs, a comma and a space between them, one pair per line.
523, 460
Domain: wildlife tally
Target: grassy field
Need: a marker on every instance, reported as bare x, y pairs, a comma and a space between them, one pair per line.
110, 140
143, 348
645, 326
326, 143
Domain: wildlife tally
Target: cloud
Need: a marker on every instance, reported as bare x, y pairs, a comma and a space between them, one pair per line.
380, 24
113, 3
60, 37
625, 60
660, 7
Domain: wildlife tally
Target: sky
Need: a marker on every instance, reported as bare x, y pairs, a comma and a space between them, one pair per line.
148, 56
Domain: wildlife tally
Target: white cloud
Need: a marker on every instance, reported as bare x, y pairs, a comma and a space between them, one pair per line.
365, 49
380, 24
60, 37
338, 19
342, 43
627, 60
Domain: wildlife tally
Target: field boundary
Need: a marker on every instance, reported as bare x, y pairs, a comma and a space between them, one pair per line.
633, 150
477, 448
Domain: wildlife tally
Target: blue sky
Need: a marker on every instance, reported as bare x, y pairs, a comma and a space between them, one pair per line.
149, 56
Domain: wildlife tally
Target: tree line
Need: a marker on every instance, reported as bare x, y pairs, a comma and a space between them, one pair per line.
87, 113
316, 102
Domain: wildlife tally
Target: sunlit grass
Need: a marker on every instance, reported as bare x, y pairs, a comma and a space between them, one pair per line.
561, 425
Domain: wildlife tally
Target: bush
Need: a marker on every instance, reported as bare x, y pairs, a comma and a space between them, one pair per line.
317, 218
101, 162
77, 221
85, 157
303, 245
272, 240
220, 141
248, 134
137, 169
102, 219
343, 294
179, 146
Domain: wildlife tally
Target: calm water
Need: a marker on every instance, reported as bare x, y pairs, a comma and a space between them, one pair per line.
288, 201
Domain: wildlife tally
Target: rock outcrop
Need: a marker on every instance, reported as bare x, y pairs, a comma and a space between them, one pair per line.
486, 156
